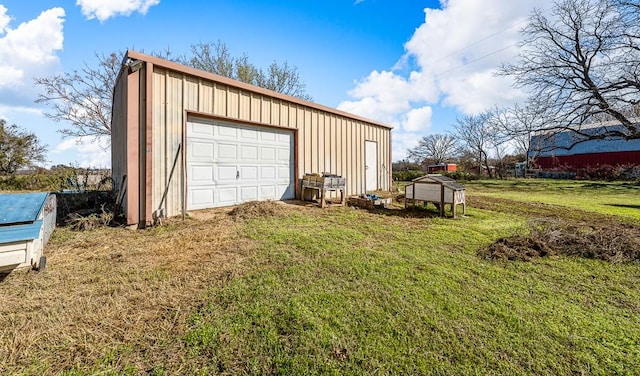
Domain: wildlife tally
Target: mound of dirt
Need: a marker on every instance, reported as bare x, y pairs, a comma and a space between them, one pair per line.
518, 248
258, 209
611, 241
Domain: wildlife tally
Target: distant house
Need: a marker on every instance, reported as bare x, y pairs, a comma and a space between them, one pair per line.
441, 167
562, 150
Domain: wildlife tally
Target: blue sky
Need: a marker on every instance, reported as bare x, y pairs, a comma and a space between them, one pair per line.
413, 64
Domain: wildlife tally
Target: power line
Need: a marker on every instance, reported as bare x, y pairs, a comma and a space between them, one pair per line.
476, 59
478, 42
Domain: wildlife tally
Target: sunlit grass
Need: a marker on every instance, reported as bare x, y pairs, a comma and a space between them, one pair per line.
611, 198
348, 292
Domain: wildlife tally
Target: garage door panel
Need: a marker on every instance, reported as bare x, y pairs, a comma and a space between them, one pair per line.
249, 172
226, 131
201, 130
248, 134
201, 174
284, 155
201, 198
248, 153
283, 173
227, 152
229, 164
227, 196
226, 173
285, 138
267, 172
201, 151
248, 193
268, 192
268, 154
268, 136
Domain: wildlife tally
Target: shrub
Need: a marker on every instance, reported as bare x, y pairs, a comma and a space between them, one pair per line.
407, 175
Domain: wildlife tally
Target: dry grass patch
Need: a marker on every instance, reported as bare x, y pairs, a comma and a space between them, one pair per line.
114, 297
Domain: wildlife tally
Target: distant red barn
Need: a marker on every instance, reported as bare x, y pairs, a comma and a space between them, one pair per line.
555, 151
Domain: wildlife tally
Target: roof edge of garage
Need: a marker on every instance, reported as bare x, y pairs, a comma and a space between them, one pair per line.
156, 61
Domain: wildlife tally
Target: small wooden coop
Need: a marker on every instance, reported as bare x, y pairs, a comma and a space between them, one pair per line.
437, 189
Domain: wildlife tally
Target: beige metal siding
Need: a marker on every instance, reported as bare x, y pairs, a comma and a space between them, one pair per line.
326, 140
119, 134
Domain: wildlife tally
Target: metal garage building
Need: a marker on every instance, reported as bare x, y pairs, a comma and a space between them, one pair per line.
184, 139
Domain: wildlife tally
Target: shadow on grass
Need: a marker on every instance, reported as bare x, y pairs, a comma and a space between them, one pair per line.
629, 206
411, 212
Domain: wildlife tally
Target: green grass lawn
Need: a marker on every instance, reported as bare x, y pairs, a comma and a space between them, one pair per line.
614, 198
351, 292
338, 291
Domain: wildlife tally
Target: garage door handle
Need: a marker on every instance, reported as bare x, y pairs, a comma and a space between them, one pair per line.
237, 174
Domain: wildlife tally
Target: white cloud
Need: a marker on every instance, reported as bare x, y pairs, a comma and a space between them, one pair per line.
105, 9
480, 91
449, 61
418, 119
28, 50
401, 142
95, 151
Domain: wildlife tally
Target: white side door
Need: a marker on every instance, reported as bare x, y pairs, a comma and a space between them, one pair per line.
371, 165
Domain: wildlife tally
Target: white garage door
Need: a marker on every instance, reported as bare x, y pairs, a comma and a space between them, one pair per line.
228, 164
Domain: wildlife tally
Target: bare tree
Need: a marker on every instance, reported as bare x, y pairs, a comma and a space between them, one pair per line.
583, 63
479, 136
215, 57
284, 79
83, 98
517, 125
211, 57
436, 148
18, 148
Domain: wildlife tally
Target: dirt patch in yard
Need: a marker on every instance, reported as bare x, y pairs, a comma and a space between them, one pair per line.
611, 241
260, 209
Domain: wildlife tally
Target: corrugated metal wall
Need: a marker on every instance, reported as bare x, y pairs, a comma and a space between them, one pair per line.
119, 135
325, 140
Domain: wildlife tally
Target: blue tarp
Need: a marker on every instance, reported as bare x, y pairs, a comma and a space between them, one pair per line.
19, 233
21, 207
